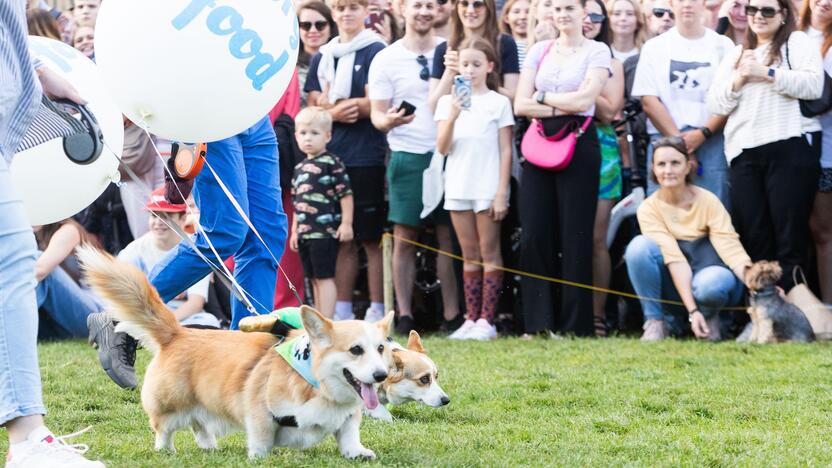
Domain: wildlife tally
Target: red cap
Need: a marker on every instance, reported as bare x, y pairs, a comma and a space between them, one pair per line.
158, 203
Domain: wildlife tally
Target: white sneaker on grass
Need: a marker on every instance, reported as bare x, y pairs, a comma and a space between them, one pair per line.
42, 449
461, 333
373, 315
483, 331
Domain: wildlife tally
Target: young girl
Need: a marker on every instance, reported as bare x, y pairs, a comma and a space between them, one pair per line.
477, 142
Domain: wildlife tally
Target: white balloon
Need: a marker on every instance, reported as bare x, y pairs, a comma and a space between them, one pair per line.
53, 187
196, 70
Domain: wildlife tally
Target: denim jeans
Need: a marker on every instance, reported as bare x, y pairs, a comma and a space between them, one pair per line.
248, 165
66, 305
714, 287
20, 388
713, 168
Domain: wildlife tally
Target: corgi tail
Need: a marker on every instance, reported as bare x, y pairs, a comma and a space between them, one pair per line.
131, 299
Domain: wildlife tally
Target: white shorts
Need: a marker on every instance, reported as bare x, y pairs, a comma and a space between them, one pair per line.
477, 206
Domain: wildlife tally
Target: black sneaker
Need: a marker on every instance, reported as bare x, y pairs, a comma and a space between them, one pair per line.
450, 326
116, 351
404, 324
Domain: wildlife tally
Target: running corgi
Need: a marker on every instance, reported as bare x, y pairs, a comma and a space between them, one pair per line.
215, 381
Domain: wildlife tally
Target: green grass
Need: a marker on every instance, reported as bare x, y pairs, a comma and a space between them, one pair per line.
534, 403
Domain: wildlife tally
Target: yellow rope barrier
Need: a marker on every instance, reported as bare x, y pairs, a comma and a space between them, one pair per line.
546, 278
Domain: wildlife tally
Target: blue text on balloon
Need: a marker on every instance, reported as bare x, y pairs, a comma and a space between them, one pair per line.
244, 43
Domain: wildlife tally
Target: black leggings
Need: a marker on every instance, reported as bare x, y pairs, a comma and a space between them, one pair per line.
557, 212
772, 191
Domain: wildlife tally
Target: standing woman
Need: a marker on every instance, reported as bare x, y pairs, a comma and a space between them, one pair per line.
561, 81
733, 22
514, 21
816, 20
473, 18
316, 29
774, 170
627, 26
596, 26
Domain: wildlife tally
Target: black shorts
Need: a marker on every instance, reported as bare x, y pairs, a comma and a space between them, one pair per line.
368, 197
318, 257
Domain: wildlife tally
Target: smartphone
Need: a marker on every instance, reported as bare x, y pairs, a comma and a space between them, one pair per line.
372, 20
409, 108
462, 89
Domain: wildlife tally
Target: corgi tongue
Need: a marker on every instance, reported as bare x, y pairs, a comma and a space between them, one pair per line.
369, 395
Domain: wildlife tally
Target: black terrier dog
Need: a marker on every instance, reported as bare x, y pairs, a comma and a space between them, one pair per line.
773, 319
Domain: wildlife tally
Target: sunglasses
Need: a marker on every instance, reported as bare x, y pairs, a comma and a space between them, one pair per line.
596, 18
768, 12
476, 3
424, 74
660, 12
307, 25
441, 2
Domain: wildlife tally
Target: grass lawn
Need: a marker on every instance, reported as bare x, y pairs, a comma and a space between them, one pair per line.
540, 402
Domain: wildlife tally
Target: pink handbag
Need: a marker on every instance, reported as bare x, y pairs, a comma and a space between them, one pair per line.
553, 153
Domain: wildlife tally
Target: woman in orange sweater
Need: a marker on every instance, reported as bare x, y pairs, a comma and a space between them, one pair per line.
688, 250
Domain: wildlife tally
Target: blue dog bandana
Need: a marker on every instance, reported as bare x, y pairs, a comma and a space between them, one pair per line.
298, 353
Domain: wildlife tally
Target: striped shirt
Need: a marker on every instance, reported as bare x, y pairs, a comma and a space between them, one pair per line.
764, 112
20, 90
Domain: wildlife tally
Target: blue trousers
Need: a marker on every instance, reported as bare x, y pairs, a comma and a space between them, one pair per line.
67, 306
20, 388
248, 165
714, 287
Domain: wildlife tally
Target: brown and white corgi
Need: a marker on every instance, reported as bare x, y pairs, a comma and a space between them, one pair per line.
414, 378
215, 381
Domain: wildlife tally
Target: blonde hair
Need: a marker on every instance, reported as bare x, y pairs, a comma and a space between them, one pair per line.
336, 3
317, 116
640, 34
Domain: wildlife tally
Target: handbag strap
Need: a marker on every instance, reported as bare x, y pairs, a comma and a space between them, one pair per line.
563, 131
545, 53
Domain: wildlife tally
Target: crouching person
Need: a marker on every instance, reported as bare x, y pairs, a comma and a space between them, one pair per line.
688, 250
149, 249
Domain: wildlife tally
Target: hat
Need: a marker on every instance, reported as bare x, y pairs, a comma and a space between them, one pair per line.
158, 202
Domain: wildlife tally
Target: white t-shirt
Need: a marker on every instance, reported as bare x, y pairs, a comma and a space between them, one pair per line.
144, 254
472, 171
679, 71
623, 56
825, 119
394, 76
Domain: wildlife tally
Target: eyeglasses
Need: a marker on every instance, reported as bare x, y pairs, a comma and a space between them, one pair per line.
596, 18
425, 73
307, 25
768, 12
476, 3
660, 12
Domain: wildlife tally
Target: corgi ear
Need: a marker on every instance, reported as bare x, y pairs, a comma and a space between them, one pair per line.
386, 324
397, 359
414, 342
317, 326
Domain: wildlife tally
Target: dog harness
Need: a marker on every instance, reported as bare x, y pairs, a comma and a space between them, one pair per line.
298, 353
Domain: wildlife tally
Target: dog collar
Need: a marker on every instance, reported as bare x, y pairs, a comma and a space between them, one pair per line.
768, 291
298, 353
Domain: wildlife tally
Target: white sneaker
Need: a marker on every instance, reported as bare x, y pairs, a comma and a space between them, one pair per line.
51, 452
461, 333
482, 331
343, 316
373, 315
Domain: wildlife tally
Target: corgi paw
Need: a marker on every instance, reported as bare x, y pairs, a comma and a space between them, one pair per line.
359, 452
381, 413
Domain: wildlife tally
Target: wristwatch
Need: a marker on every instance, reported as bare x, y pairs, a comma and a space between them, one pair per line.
706, 132
690, 314
540, 96
771, 73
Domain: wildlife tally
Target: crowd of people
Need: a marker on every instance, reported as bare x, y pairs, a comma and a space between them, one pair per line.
716, 86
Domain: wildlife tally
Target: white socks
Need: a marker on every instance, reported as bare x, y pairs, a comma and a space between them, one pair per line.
343, 310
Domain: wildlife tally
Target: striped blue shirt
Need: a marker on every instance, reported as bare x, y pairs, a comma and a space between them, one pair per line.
20, 89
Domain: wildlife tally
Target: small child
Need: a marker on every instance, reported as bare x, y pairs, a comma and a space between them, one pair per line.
477, 142
322, 200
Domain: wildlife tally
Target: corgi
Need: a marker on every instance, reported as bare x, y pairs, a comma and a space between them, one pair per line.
217, 381
413, 378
